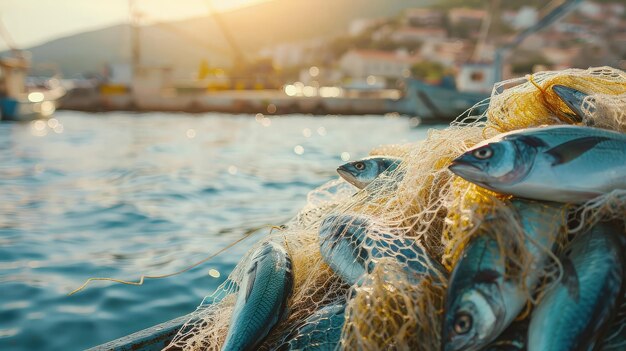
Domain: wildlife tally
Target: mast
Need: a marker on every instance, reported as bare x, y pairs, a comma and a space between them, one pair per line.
558, 12
492, 10
134, 34
6, 36
135, 44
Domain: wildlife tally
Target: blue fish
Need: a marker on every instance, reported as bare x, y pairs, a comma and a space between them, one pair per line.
262, 298
352, 244
483, 297
574, 99
568, 164
321, 331
575, 313
363, 172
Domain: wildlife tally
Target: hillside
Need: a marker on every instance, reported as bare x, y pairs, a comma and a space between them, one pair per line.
253, 27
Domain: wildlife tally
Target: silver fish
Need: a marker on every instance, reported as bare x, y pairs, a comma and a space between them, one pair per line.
341, 247
574, 314
321, 331
482, 297
361, 173
262, 299
351, 245
567, 164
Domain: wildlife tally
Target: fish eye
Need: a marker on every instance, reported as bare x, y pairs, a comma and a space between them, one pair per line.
462, 323
359, 165
483, 153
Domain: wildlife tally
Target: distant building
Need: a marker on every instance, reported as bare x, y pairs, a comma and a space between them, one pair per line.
419, 17
610, 13
561, 58
524, 18
150, 80
476, 77
414, 35
618, 9
360, 25
613, 13
550, 38
119, 74
365, 63
590, 9
471, 17
319, 76
382, 33
285, 55
448, 52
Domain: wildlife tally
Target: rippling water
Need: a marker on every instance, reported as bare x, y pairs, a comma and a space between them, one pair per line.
120, 195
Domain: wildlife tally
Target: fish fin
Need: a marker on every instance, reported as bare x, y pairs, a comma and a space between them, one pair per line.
570, 278
530, 140
487, 276
251, 278
572, 149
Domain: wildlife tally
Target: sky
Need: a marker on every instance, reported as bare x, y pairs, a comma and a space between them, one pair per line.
31, 22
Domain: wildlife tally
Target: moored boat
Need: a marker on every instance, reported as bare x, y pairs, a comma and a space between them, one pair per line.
19, 102
151, 339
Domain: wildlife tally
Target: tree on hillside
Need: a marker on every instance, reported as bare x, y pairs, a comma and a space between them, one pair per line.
428, 70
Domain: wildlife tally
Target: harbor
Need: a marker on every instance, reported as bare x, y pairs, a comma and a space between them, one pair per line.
295, 175
428, 69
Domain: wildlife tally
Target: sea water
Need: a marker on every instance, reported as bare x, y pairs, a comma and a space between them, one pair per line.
121, 194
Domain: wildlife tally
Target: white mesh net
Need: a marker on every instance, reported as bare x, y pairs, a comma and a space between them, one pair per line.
418, 220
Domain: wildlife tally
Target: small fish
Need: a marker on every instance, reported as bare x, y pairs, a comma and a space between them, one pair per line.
567, 321
351, 245
341, 246
567, 164
514, 338
482, 297
362, 173
262, 299
321, 331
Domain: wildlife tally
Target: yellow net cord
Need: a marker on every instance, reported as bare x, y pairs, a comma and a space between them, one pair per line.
424, 202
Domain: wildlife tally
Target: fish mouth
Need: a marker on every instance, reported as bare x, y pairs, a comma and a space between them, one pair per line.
350, 178
344, 173
470, 172
460, 167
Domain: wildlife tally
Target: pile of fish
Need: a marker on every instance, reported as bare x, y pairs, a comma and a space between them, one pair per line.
546, 171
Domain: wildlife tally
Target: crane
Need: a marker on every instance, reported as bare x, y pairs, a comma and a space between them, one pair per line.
237, 52
555, 12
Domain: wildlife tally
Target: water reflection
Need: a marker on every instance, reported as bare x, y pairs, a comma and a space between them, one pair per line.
120, 195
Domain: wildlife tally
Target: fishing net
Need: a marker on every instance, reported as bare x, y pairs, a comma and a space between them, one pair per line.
605, 111
418, 220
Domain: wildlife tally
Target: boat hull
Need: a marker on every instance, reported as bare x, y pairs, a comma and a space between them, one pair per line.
152, 339
431, 102
20, 110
